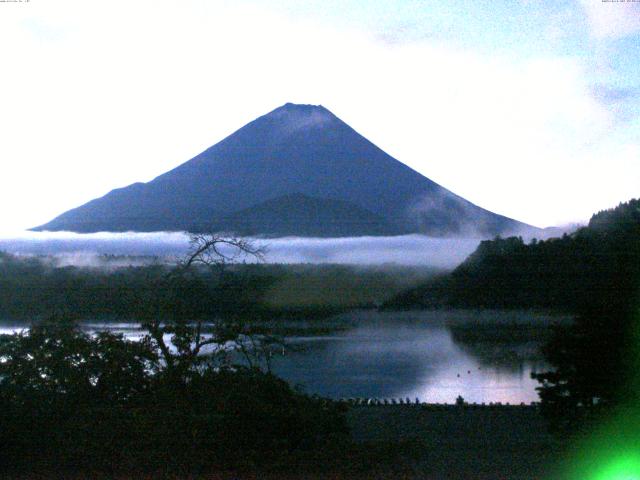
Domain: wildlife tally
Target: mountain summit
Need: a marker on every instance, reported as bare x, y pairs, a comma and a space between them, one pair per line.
298, 170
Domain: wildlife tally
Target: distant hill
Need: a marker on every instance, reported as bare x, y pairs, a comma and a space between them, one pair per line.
601, 260
299, 170
303, 216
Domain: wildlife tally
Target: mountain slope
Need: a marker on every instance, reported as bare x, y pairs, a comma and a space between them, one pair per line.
295, 149
304, 216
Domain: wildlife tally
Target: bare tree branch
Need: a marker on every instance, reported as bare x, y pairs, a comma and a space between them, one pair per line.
207, 249
157, 333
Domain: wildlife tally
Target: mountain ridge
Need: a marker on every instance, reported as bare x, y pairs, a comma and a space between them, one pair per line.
302, 149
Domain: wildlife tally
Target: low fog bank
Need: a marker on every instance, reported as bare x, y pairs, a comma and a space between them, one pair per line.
160, 244
93, 249
529, 234
400, 250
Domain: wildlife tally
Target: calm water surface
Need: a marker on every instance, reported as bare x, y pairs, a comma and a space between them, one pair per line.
405, 359
397, 356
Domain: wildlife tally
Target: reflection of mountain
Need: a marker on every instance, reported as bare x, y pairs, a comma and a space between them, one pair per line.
505, 347
504, 357
392, 356
298, 170
367, 362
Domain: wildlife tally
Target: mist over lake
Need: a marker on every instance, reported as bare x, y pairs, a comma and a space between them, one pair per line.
81, 249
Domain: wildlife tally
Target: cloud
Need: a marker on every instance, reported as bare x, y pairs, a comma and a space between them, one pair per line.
623, 102
612, 19
609, 94
401, 250
88, 249
119, 98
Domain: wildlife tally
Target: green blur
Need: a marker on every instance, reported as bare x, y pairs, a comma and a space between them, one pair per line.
623, 468
611, 451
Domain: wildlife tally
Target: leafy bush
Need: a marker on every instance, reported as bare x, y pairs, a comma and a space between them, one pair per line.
86, 403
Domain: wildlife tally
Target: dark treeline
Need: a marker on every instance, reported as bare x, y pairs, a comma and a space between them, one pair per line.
601, 260
31, 288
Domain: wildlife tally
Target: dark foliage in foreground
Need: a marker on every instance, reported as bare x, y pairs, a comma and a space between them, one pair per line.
74, 402
595, 364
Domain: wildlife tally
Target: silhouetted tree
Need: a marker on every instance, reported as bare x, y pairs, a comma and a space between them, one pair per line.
595, 361
69, 397
56, 358
184, 336
100, 402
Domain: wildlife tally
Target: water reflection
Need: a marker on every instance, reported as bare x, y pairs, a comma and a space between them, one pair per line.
405, 360
396, 356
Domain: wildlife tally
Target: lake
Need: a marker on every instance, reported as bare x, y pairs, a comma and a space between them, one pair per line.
485, 356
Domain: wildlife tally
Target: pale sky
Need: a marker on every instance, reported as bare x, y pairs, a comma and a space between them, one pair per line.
528, 108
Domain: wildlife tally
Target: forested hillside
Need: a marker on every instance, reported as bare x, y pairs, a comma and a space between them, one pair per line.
600, 260
31, 288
